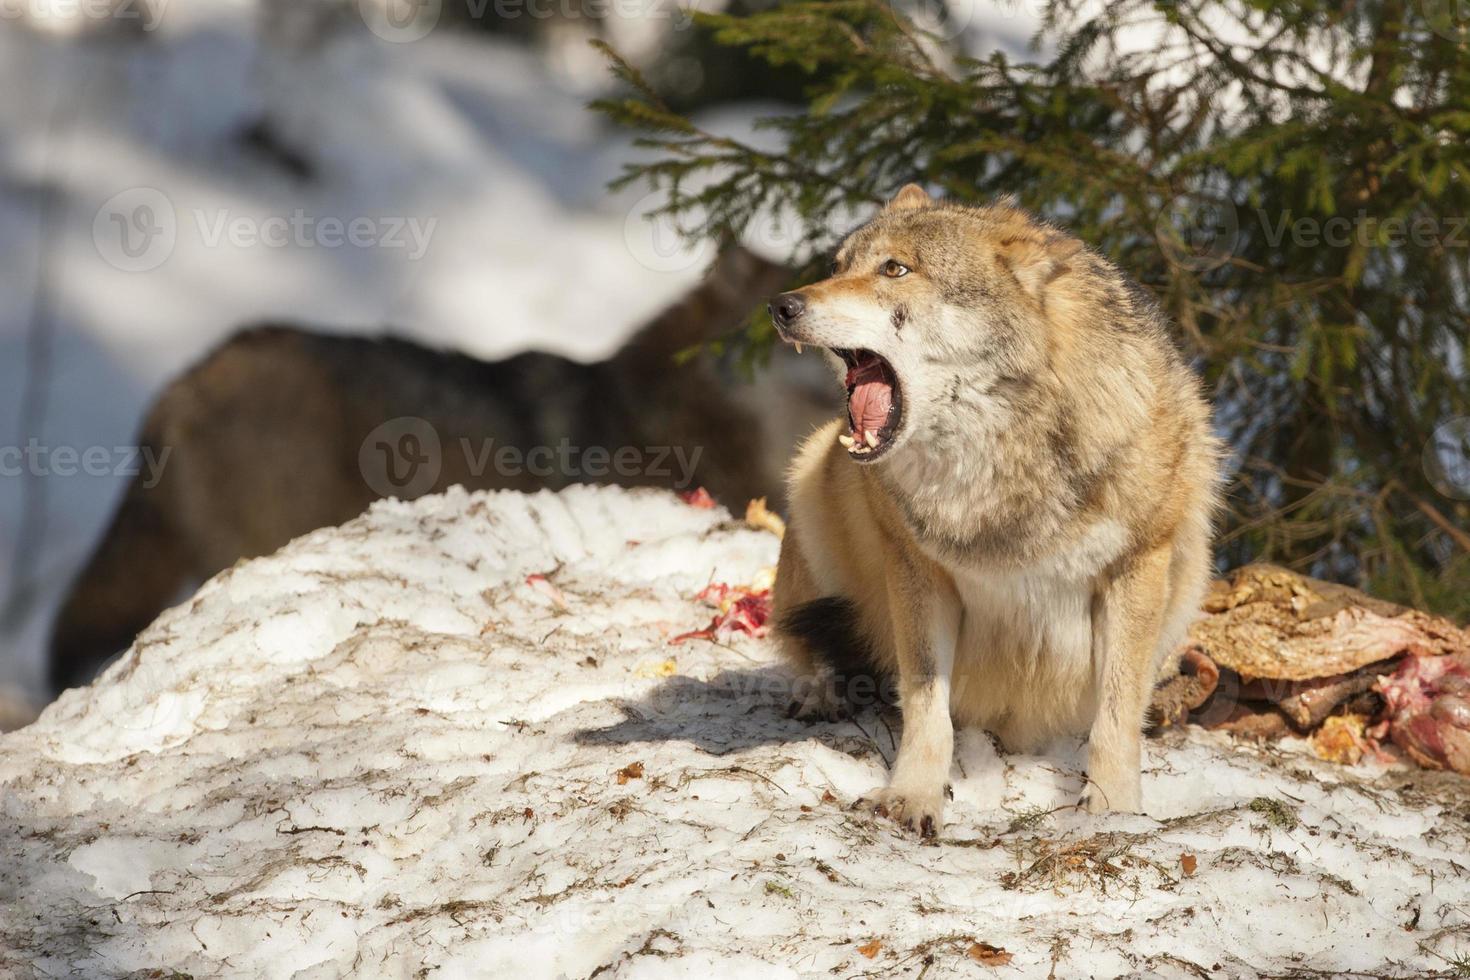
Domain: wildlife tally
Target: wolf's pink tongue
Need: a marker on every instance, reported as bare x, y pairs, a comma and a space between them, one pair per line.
871, 398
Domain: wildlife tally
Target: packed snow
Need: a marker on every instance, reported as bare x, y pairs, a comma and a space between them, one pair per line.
452, 738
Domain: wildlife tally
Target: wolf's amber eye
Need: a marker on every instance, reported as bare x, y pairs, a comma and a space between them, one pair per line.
895, 270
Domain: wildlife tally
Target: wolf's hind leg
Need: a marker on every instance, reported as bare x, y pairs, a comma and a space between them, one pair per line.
821, 639
818, 697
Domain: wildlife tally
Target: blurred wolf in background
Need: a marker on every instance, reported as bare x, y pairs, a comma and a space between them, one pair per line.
280, 432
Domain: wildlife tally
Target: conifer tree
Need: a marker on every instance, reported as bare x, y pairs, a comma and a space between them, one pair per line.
1291, 180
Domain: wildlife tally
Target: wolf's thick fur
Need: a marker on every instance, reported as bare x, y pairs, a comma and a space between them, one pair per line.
1026, 554
264, 437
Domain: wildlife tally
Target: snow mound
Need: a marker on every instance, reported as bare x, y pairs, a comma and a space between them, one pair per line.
392, 749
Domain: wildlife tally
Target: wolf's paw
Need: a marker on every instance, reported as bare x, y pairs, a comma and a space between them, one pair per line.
821, 703
917, 812
1120, 800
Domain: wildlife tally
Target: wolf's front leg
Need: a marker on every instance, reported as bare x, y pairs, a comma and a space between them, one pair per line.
1127, 613
926, 621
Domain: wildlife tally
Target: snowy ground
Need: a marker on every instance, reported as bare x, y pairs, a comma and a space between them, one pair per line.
383, 751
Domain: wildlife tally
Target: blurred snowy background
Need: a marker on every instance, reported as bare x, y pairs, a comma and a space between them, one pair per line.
172, 172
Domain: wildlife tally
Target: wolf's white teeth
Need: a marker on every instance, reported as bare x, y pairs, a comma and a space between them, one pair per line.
846, 440
798, 346
871, 438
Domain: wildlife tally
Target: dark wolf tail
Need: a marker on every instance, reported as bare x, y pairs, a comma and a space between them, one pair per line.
828, 629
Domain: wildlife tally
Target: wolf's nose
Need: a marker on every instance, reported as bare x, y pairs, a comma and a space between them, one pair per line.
787, 307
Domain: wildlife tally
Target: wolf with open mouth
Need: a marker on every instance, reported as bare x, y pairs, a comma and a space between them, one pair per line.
1012, 524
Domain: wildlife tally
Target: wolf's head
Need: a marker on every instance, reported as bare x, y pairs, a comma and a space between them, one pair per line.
928, 304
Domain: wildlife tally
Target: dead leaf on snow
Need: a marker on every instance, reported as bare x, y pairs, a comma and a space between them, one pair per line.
988, 954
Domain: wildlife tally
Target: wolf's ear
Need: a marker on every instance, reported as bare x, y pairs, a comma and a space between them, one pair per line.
1036, 262
911, 197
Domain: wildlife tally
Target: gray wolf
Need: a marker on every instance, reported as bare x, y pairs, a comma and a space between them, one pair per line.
1014, 519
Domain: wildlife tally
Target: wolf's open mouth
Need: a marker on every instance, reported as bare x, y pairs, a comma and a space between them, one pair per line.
874, 404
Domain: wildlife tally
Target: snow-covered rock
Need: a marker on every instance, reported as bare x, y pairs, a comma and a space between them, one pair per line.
385, 752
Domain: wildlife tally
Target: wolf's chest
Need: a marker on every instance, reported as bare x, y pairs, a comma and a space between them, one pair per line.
1024, 656
1024, 617
1042, 611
